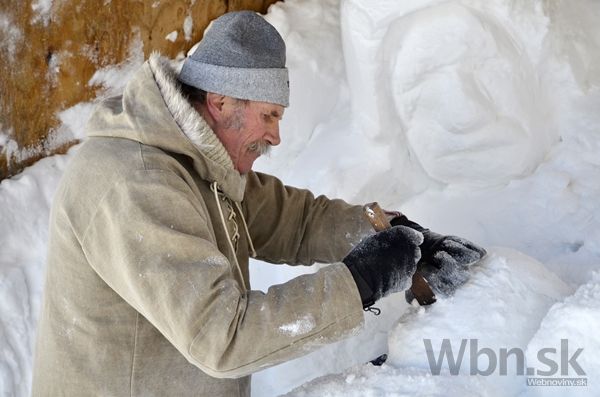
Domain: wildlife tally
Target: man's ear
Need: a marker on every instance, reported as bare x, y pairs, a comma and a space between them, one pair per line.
214, 105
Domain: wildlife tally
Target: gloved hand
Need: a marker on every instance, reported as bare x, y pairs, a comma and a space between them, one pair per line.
444, 259
384, 262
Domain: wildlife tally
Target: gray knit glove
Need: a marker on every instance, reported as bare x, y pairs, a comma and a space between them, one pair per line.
384, 262
445, 260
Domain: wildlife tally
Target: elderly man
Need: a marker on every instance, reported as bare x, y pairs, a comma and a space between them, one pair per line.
147, 290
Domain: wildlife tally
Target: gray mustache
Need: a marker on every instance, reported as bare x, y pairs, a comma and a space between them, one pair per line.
261, 147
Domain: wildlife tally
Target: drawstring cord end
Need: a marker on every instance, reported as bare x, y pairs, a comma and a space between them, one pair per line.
375, 310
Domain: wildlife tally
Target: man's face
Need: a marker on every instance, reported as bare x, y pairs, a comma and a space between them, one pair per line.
248, 129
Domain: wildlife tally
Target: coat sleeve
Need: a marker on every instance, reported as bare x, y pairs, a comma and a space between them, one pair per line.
289, 225
149, 241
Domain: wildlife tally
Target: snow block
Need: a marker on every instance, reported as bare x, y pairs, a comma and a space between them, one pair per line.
500, 307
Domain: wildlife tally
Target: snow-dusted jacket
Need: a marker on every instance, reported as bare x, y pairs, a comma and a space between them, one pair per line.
147, 290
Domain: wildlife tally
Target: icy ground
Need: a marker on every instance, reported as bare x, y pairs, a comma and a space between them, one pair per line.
475, 118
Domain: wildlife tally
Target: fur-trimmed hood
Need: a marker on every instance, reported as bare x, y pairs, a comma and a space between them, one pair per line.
153, 111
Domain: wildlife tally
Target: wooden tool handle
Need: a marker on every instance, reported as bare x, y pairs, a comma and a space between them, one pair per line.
420, 289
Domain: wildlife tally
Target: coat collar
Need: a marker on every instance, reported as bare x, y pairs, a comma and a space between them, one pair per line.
215, 158
153, 111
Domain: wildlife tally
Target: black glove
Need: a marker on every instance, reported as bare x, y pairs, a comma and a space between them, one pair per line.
384, 262
444, 259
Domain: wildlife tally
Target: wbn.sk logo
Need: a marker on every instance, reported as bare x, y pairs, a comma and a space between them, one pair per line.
551, 360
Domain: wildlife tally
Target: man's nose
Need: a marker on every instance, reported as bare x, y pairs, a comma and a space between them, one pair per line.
273, 136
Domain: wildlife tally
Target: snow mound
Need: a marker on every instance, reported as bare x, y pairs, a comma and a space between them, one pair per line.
577, 320
501, 306
371, 381
24, 208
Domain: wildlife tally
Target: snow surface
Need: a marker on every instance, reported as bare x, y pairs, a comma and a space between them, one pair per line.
10, 36
172, 37
188, 26
41, 10
475, 118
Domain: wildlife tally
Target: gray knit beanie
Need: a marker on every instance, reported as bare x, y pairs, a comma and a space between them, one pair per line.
241, 56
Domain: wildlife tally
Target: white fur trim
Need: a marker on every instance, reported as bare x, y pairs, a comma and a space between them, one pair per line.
187, 118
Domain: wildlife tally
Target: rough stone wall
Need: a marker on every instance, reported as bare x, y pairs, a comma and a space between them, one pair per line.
49, 50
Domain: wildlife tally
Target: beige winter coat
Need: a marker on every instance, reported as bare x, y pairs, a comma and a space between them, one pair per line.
144, 296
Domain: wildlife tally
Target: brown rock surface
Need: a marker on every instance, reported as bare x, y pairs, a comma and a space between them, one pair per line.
48, 56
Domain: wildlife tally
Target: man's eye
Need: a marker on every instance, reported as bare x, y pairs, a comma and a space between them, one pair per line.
267, 117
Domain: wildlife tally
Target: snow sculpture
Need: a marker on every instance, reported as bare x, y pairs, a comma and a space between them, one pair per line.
454, 84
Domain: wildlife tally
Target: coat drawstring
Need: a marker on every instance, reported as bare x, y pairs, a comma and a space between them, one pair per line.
239, 208
215, 188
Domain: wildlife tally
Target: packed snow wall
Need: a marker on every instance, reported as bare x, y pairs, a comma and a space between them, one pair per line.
49, 50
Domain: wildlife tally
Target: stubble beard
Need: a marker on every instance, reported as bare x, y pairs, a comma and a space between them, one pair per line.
236, 120
236, 123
